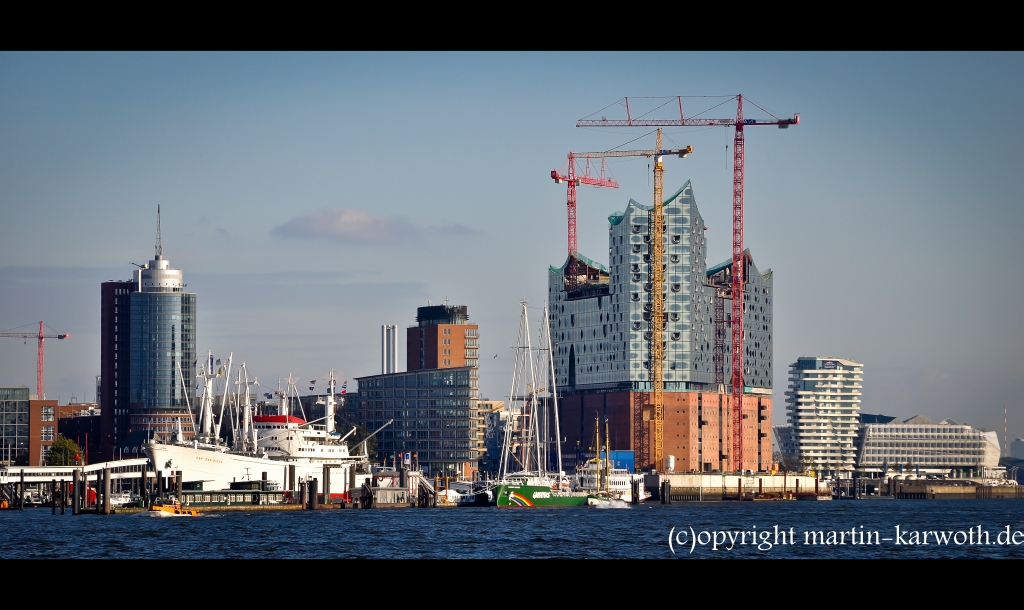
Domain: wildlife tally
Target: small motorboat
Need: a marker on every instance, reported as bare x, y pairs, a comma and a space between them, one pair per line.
172, 507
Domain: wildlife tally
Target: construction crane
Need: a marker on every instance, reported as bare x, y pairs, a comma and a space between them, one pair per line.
656, 325
738, 275
572, 180
39, 362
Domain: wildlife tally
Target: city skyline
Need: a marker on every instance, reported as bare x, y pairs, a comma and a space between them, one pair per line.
311, 198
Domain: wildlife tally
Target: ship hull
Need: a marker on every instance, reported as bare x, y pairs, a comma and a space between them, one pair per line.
218, 469
532, 496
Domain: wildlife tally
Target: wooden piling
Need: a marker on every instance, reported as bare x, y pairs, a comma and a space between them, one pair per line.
312, 494
106, 491
21, 491
53, 497
327, 484
77, 491
177, 485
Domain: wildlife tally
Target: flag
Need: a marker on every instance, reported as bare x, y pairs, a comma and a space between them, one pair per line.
312, 382
310, 388
343, 386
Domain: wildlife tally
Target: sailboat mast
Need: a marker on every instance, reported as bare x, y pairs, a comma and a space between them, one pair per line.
553, 388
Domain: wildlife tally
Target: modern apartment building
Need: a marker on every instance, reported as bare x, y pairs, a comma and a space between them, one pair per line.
823, 412
435, 405
442, 338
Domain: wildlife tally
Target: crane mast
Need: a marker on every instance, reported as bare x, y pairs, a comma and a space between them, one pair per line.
652, 404
657, 324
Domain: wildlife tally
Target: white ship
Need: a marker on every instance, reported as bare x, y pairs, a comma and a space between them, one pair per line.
288, 449
605, 482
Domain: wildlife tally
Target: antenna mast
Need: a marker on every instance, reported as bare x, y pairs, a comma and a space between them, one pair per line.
159, 240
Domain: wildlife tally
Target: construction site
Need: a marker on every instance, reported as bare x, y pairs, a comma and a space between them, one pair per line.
648, 342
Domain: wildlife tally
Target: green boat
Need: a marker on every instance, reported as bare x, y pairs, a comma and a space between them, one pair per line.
529, 492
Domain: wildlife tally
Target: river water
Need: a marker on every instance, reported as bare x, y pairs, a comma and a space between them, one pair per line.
810, 530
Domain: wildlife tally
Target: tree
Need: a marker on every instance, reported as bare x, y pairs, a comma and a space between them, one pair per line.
64, 452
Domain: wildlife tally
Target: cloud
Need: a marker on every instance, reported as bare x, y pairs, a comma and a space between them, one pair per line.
456, 230
347, 226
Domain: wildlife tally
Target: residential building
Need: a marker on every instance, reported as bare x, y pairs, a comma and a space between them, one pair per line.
600, 317
1017, 449
435, 404
83, 423
437, 418
28, 426
442, 338
823, 409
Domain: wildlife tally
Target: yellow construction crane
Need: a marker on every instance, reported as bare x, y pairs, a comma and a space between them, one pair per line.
657, 322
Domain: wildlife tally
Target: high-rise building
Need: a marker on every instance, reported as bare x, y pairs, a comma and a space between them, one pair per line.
823, 410
442, 338
599, 325
148, 353
435, 405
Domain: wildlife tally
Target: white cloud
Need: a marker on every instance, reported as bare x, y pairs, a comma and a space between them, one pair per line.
348, 226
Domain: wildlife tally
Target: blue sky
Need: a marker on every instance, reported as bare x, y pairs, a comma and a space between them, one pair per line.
310, 198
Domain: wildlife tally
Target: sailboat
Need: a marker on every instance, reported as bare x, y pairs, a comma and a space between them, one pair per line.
524, 479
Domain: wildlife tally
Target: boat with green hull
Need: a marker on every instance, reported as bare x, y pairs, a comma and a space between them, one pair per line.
531, 493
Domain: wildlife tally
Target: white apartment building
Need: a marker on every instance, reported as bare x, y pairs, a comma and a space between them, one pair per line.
823, 410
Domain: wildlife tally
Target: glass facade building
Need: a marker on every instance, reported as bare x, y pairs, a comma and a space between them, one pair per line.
921, 444
437, 418
148, 343
14, 428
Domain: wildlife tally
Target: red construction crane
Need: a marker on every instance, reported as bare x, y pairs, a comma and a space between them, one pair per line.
737, 231
39, 362
572, 180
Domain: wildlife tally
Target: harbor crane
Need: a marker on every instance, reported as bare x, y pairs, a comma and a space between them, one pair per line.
40, 336
572, 180
738, 275
656, 325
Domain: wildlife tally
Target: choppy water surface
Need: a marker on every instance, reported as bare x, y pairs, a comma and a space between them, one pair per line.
470, 533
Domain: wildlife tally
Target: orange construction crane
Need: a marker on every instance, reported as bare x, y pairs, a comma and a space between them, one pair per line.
39, 362
655, 402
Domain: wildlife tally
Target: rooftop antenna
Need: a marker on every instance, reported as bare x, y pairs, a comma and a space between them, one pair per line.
159, 244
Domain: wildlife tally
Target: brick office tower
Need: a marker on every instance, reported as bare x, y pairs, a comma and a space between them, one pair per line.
601, 340
442, 338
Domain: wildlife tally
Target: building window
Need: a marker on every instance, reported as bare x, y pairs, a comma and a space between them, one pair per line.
47, 414
47, 433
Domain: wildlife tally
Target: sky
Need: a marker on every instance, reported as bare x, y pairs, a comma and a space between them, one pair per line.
310, 198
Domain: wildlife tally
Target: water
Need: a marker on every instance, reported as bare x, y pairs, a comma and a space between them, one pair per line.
470, 533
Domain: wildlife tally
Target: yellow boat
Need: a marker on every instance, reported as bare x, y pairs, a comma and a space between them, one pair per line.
172, 507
